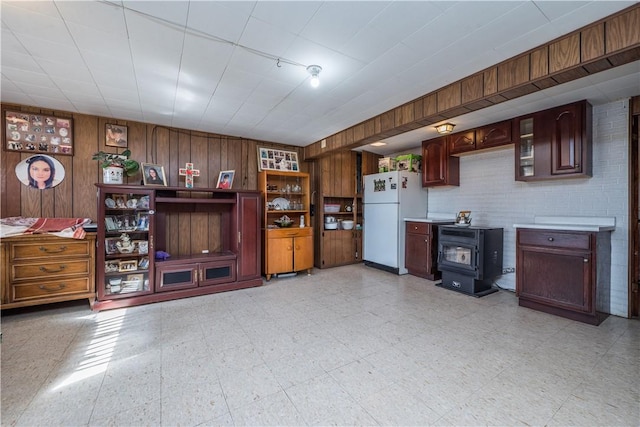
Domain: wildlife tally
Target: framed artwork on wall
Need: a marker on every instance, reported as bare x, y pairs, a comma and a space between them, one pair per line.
225, 179
279, 160
153, 174
115, 135
38, 133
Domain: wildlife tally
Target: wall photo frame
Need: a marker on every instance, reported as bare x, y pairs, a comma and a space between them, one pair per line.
153, 174
278, 160
225, 179
115, 135
39, 133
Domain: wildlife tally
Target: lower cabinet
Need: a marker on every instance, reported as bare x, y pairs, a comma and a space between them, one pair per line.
421, 248
40, 269
177, 274
340, 247
559, 272
288, 250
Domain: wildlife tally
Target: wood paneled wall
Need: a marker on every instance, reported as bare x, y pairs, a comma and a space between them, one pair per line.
168, 147
610, 42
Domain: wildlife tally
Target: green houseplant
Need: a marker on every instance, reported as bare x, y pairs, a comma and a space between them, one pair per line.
115, 165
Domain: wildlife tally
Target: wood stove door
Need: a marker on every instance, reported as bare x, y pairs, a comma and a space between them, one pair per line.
458, 257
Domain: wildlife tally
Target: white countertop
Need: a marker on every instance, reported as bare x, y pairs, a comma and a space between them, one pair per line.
433, 218
571, 223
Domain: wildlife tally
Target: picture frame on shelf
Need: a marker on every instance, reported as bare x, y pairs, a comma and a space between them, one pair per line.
115, 135
110, 223
143, 264
153, 174
111, 266
38, 133
278, 160
225, 179
127, 265
110, 245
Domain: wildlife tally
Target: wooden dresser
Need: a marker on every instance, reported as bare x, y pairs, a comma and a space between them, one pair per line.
44, 268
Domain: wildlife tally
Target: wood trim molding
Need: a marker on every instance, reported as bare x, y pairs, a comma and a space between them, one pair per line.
604, 44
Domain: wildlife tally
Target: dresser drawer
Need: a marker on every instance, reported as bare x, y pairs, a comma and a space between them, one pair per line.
32, 250
417, 227
48, 289
50, 270
555, 239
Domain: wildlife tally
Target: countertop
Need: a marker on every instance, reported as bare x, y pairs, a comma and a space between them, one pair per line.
435, 219
571, 223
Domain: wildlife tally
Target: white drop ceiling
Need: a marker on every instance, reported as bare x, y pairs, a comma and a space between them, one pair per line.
213, 65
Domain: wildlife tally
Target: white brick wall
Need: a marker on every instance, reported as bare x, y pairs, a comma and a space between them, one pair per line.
489, 190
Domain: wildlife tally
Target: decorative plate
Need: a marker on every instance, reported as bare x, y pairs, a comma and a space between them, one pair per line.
110, 203
280, 204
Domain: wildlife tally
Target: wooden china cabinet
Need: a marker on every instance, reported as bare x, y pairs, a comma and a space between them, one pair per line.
286, 249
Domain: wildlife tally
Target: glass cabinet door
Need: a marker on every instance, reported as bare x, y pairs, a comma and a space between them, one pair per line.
125, 251
526, 163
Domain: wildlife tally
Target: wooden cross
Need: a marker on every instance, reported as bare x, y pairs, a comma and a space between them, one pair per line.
189, 172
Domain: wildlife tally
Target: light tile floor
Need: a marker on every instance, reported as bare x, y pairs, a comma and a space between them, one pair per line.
344, 346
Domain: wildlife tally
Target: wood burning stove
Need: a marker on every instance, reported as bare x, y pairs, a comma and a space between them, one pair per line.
470, 258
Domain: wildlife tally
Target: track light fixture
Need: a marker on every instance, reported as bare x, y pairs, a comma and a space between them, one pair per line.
314, 70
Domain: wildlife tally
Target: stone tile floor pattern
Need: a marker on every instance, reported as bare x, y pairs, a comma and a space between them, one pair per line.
344, 346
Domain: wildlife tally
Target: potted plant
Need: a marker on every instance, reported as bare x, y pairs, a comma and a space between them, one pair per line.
114, 166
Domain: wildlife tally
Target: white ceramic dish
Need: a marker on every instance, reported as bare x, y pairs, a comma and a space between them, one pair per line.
280, 204
347, 224
330, 225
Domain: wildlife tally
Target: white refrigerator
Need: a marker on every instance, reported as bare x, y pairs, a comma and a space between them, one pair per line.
390, 197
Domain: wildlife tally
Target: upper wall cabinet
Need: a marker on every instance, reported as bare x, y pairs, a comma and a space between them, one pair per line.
438, 167
494, 135
462, 142
554, 143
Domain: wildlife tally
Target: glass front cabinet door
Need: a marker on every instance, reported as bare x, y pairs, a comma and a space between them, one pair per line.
125, 243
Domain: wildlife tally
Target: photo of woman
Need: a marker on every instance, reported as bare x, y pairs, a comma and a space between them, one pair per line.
40, 171
153, 174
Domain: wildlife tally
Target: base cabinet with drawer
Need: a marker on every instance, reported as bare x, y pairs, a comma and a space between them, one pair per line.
421, 248
560, 272
42, 269
288, 250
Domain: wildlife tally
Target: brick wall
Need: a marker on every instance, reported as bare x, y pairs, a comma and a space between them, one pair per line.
489, 190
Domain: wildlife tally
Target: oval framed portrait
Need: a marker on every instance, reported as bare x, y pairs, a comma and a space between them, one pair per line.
40, 172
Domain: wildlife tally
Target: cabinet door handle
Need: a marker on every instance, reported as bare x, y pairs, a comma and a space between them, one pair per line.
50, 251
60, 287
551, 239
585, 260
46, 270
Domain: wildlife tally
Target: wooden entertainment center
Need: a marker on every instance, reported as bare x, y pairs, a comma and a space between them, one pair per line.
212, 238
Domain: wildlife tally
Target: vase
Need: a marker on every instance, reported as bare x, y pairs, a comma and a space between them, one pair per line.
112, 175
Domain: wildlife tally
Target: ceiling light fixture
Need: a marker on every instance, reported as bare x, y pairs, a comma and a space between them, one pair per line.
378, 144
445, 128
314, 70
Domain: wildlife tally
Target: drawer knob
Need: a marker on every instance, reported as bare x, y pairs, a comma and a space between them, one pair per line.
50, 251
585, 260
60, 287
551, 239
46, 270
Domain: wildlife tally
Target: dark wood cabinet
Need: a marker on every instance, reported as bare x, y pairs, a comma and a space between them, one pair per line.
554, 143
421, 248
221, 228
494, 135
558, 272
438, 167
462, 142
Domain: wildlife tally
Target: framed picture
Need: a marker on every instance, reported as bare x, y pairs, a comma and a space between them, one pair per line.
153, 174
272, 159
110, 266
40, 171
128, 265
110, 223
110, 245
115, 135
225, 179
39, 133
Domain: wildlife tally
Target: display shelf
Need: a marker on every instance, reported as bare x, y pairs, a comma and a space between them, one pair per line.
134, 222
